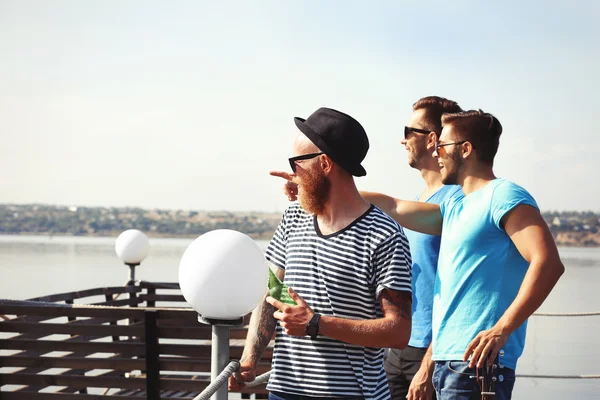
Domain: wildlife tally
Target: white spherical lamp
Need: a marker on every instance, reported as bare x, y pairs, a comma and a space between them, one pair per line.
223, 274
132, 246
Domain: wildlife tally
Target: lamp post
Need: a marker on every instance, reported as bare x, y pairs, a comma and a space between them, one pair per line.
132, 248
223, 276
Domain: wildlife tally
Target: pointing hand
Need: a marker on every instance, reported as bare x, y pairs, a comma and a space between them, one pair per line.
290, 189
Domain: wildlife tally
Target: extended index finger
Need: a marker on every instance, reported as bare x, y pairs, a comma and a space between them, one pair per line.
295, 296
281, 174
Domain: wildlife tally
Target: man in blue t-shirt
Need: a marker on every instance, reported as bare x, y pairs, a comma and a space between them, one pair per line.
410, 370
497, 263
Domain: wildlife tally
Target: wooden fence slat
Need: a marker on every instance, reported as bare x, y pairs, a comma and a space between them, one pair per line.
102, 382
73, 396
69, 396
131, 301
196, 350
125, 347
196, 385
121, 363
75, 381
150, 292
122, 347
61, 310
163, 297
178, 313
88, 363
87, 293
56, 328
182, 322
160, 285
152, 355
196, 332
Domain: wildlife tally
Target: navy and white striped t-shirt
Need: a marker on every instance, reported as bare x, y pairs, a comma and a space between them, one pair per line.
339, 275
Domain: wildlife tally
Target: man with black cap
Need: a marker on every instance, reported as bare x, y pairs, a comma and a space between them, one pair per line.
350, 269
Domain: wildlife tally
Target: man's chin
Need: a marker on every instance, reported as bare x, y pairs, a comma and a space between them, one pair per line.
309, 206
449, 180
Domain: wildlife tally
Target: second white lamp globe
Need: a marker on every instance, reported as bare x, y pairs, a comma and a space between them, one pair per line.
132, 246
223, 274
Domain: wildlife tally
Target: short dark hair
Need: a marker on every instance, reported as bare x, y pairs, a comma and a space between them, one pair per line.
435, 107
482, 129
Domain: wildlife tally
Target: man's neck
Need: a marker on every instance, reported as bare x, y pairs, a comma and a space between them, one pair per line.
432, 177
343, 207
476, 177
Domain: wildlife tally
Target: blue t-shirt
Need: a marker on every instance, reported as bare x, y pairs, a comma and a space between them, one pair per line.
424, 250
480, 271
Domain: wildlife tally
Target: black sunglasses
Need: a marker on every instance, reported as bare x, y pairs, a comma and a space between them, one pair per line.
302, 157
408, 130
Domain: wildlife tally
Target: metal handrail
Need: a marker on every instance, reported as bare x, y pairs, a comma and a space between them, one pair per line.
260, 379
211, 389
229, 370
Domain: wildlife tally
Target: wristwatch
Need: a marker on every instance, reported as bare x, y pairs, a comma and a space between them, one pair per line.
312, 329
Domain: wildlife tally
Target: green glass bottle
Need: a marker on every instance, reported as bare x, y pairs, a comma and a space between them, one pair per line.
279, 290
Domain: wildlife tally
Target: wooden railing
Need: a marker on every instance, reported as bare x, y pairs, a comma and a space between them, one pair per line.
138, 345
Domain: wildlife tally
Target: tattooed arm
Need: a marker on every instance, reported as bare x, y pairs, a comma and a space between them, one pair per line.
260, 331
393, 330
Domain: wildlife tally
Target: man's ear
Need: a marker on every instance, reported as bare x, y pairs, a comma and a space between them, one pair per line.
431, 139
326, 163
467, 149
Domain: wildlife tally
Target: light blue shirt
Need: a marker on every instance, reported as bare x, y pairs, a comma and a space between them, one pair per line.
424, 250
480, 271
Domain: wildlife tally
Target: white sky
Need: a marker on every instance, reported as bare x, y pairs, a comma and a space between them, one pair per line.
189, 104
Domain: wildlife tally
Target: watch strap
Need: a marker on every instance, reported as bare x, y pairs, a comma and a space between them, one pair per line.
312, 328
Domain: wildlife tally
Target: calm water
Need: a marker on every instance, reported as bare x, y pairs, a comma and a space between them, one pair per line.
35, 266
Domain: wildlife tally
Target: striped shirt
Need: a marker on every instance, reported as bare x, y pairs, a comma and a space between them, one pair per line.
340, 275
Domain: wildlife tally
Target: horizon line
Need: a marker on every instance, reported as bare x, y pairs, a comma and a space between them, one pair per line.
224, 210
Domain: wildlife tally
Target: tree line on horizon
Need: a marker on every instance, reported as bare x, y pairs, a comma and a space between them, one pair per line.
108, 221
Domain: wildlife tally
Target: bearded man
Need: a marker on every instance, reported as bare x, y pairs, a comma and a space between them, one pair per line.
348, 267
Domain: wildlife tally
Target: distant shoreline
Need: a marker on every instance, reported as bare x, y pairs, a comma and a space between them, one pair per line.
569, 228
563, 239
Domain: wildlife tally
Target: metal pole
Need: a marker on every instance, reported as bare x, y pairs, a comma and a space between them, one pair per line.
132, 273
219, 357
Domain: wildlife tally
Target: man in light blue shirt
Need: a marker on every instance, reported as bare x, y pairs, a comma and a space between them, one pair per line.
480, 270
497, 264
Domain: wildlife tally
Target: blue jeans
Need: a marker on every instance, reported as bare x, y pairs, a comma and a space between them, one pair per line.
288, 396
454, 380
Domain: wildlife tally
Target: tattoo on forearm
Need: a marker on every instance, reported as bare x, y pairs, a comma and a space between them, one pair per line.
262, 326
266, 325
